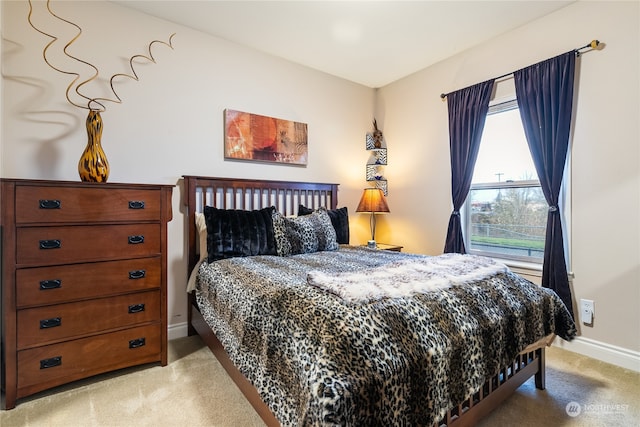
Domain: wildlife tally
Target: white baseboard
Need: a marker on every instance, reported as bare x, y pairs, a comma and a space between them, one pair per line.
608, 353
178, 330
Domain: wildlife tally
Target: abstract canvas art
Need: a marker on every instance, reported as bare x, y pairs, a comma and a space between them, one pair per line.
259, 138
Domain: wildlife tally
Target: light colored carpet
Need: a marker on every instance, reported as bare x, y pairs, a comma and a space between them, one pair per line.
193, 390
580, 391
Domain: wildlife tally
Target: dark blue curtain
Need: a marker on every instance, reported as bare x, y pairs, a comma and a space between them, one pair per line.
467, 114
545, 99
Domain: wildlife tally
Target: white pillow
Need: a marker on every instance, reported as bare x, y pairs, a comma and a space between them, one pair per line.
201, 244
201, 235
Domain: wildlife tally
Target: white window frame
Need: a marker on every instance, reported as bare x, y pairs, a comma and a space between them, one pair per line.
526, 264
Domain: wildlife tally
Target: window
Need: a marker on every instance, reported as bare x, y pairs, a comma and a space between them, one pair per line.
505, 213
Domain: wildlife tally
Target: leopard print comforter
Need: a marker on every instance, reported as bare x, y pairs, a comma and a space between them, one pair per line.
318, 360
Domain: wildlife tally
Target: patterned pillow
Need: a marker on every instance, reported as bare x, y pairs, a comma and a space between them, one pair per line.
304, 234
283, 247
339, 219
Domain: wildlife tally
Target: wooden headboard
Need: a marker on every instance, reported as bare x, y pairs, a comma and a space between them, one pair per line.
250, 194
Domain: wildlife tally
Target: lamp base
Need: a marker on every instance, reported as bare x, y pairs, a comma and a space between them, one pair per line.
371, 244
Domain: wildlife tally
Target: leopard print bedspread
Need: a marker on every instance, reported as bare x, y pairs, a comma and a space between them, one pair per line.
317, 360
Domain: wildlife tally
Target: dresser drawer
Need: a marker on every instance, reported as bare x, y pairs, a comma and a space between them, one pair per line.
38, 204
45, 325
51, 365
53, 285
74, 244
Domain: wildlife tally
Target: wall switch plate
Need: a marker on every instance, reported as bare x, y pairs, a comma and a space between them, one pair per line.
586, 311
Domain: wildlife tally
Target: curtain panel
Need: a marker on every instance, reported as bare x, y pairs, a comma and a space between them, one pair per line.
468, 109
544, 92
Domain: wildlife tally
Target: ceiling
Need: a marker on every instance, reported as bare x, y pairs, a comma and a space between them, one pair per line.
368, 42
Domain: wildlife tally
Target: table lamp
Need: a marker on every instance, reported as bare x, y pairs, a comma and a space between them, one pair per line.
373, 201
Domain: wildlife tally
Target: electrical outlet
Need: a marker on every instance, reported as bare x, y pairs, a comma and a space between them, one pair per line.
587, 311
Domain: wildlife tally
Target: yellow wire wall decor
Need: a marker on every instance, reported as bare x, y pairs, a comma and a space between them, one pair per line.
93, 165
95, 103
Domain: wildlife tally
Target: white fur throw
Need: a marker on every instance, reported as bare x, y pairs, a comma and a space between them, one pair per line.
405, 278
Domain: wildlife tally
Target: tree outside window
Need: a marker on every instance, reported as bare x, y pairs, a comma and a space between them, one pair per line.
505, 212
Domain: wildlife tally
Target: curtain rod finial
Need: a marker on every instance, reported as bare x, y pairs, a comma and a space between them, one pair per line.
594, 43
443, 96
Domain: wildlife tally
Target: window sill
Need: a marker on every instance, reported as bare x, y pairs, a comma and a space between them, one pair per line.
527, 268
522, 267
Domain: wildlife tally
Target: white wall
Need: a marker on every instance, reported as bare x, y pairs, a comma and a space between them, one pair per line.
170, 122
605, 155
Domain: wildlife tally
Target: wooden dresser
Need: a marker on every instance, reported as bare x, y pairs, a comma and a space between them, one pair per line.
84, 280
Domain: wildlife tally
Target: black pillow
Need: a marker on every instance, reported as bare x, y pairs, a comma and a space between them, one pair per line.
236, 233
339, 219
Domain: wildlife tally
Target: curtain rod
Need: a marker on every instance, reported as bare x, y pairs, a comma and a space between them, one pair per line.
593, 45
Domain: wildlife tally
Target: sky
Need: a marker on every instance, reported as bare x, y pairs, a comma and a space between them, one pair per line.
504, 154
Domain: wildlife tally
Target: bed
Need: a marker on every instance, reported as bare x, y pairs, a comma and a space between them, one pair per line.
309, 342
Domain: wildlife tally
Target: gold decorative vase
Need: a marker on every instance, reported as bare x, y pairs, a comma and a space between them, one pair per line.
93, 165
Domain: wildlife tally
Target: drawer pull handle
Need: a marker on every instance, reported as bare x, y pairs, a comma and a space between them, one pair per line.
134, 240
50, 204
137, 274
51, 362
136, 204
136, 308
139, 342
45, 285
51, 323
50, 244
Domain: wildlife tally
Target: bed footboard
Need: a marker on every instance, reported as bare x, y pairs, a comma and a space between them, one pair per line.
498, 388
